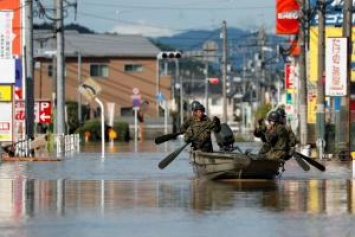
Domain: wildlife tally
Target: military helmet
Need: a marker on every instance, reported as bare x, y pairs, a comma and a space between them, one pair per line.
274, 117
199, 107
194, 104
281, 112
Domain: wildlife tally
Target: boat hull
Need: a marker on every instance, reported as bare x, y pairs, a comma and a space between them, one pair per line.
231, 165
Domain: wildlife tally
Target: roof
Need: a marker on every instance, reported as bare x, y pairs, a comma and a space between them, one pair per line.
95, 45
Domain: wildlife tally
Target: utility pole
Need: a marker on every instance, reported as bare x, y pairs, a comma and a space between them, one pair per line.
303, 74
60, 68
261, 61
206, 86
343, 119
224, 70
320, 125
29, 70
80, 119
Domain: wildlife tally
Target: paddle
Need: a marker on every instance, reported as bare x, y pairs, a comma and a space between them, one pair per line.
166, 137
301, 162
312, 162
167, 160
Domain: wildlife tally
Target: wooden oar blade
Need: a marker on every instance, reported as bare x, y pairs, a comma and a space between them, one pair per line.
165, 138
167, 160
301, 162
312, 162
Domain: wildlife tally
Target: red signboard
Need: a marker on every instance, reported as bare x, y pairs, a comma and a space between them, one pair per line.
289, 80
42, 111
287, 17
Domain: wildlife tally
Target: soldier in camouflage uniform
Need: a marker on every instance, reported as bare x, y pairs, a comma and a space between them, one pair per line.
259, 131
277, 137
199, 131
292, 138
190, 119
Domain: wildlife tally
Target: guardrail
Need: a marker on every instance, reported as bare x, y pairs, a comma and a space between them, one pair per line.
66, 144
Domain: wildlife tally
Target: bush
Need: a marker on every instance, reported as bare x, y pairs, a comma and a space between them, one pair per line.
93, 127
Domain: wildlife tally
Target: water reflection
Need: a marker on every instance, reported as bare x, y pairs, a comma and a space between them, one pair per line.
26, 198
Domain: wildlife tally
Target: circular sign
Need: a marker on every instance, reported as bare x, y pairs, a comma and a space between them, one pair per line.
135, 91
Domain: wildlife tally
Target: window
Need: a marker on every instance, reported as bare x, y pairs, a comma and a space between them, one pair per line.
50, 70
133, 68
99, 70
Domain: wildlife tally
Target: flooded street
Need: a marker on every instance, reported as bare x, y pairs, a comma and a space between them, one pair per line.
126, 194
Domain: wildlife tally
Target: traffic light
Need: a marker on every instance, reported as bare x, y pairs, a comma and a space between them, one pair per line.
213, 80
169, 55
230, 87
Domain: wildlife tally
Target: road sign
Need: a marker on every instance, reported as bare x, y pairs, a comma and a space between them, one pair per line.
135, 91
136, 98
160, 97
42, 111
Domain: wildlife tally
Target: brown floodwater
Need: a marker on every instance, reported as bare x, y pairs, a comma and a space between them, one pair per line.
126, 194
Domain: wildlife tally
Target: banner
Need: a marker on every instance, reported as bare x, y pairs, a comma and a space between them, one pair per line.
287, 17
336, 67
313, 52
10, 27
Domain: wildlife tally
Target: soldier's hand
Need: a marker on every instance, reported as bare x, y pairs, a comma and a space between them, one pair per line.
216, 121
260, 121
189, 139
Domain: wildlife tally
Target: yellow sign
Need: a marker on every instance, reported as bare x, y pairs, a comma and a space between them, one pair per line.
330, 31
312, 107
5, 93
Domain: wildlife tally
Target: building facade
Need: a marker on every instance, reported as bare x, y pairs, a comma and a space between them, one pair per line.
118, 63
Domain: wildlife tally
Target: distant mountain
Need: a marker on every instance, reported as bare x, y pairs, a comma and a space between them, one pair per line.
194, 40
81, 29
242, 45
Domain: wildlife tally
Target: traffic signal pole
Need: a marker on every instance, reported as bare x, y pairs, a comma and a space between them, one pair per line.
320, 125
224, 71
60, 68
303, 94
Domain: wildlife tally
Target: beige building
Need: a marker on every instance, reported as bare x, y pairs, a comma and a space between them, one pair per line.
118, 63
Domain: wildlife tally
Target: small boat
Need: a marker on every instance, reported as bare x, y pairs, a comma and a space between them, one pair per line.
229, 164
233, 165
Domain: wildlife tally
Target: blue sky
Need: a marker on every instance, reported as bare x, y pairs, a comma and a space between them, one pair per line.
164, 17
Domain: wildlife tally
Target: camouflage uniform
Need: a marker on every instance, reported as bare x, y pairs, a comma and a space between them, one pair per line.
260, 133
199, 132
278, 138
292, 139
190, 119
186, 124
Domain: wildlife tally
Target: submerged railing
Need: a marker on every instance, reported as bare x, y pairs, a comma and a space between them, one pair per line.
66, 144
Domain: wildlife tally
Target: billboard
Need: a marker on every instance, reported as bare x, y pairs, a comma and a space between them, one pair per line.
10, 28
330, 31
333, 12
287, 17
336, 67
